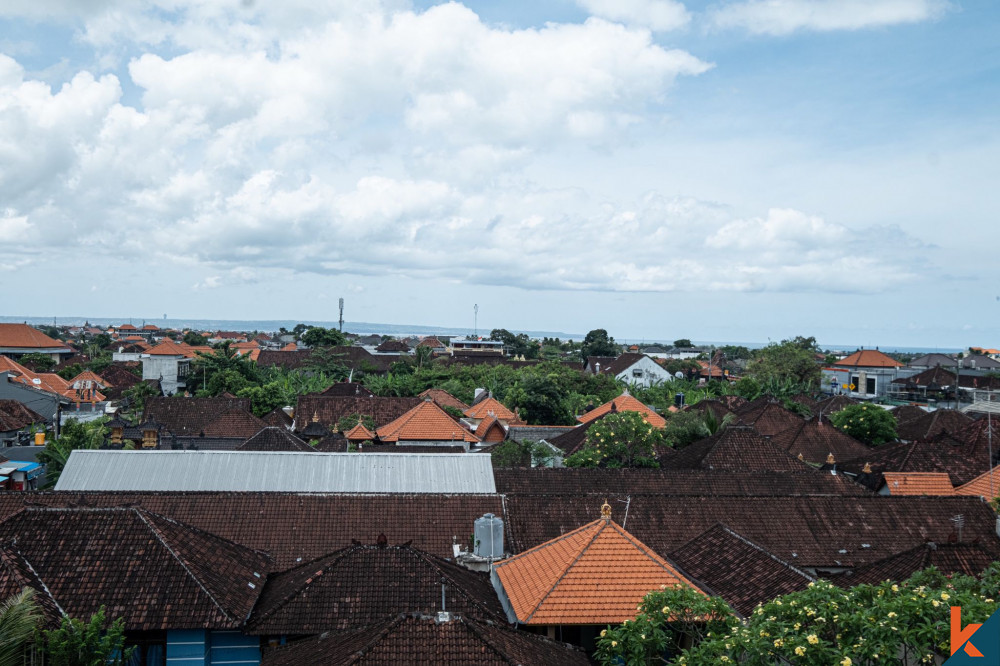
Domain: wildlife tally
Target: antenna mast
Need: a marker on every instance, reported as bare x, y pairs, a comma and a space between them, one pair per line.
341, 315
475, 320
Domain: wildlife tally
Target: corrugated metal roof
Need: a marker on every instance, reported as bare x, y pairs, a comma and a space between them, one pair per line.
277, 471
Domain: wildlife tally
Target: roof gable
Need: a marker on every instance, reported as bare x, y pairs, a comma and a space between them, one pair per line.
22, 336
868, 358
273, 438
490, 407
425, 422
735, 448
624, 403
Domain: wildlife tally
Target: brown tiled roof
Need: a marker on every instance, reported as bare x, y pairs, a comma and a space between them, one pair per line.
490, 407
682, 482
738, 570
986, 485
363, 584
737, 449
932, 378
573, 440
330, 410
953, 460
816, 438
348, 389
16, 574
22, 336
425, 422
768, 417
949, 558
397, 346
605, 361
932, 424
190, 416
422, 640
622, 363
278, 417
296, 527
905, 413
596, 574
490, 429
131, 560
236, 422
918, 483
978, 442
868, 358
274, 438
624, 403
431, 341
834, 404
804, 531
443, 398
15, 415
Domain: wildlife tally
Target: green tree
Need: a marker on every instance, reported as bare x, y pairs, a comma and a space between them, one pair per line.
868, 423
93, 643
38, 362
347, 422
687, 427
622, 439
790, 360
599, 343
223, 370
512, 453
539, 401
194, 339
135, 397
317, 336
683, 342
70, 371
516, 345
20, 616
74, 435
103, 340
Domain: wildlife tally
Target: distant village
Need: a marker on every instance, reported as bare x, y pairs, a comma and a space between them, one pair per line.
310, 496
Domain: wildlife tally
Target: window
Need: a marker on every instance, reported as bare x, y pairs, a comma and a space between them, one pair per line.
637, 372
870, 387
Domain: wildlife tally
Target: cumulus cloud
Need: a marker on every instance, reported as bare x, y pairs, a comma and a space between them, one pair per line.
781, 17
657, 15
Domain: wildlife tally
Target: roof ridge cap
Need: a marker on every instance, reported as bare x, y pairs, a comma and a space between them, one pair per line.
764, 551
648, 552
482, 636
13, 546
283, 600
390, 624
586, 546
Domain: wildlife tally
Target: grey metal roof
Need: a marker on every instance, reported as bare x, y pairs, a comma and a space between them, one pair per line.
277, 471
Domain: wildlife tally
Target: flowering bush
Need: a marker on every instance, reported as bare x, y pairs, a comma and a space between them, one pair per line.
868, 423
890, 623
622, 439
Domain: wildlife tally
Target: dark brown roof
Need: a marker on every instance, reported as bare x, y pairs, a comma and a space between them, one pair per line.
736, 449
296, 527
573, 440
274, 439
16, 574
834, 404
278, 417
977, 441
330, 409
682, 482
951, 459
816, 438
804, 531
932, 424
768, 418
605, 361
190, 416
738, 570
15, 416
622, 363
348, 389
443, 398
363, 584
355, 358
422, 640
949, 558
237, 422
905, 413
397, 346
932, 378
153, 571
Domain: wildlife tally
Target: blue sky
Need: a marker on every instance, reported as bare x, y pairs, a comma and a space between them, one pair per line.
738, 170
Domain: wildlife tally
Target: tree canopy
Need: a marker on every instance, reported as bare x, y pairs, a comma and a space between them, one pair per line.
789, 360
867, 423
599, 343
621, 439
516, 345
317, 336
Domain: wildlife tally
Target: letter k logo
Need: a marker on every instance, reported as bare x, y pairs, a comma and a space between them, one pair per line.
960, 635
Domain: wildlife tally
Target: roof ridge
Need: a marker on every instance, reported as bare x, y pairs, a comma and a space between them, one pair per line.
648, 552
429, 559
390, 624
763, 550
600, 528
482, 636
336, 556
13, 546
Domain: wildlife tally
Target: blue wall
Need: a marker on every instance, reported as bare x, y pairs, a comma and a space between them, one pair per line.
196, 647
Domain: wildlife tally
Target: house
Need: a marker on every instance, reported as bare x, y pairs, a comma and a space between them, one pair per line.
393, 347
935, 360
816, 438
489, 407
869, 371
469, 345
580, 582
735, 448
631, 368
18, 423
426, 424
170, 363
17, 340
329, 410
624, 403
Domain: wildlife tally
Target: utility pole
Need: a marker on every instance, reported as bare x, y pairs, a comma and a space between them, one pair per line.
341, 315
475, 320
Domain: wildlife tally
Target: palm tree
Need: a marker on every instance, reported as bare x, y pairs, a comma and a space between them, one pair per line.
19, 616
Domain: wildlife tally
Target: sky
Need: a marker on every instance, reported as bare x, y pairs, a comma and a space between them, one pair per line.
739, 170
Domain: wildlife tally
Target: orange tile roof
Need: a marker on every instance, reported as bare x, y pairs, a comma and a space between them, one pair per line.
291, 346
425, 422
88, 375
491, 423
625, 403
597, 574
869, 358
918, 483
22, 336
490, 407
985, 485
127, 327
50, 382
359, 433
170, 348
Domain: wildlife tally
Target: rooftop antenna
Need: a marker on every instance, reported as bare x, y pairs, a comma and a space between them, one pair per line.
341, 315
959, 521
627, 502
475, 320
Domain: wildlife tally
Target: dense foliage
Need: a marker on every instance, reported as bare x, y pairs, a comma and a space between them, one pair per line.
599, 343
793, 360
868, 423
512, 453
73, 435
93, 643
19, 618
867, 625
622, 439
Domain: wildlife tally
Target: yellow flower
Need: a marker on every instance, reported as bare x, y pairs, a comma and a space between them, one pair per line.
778, 642
846, 661
895, 588
891, 614
642, 636
800, 650
813, 639
614, 643
723, 658
945, 596
935, 603
604, 632
665, 609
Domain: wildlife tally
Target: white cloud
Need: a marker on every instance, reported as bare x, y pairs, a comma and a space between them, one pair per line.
657, 15
781, 17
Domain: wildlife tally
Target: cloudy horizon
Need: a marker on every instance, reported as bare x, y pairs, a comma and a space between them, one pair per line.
739, 170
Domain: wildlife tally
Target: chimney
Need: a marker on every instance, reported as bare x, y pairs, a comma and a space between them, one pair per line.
597, 368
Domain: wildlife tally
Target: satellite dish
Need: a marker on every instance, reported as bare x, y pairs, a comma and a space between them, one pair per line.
679, 375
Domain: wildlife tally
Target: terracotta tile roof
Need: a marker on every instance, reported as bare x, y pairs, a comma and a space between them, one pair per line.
868, 358
127, 327
190, 416
16, 574
130, 560
768, 417
15, 415
738, 570
425, 422
274, 438
432, 342
491, 430
49, 382
932, 424
170, 348
296, 527
362, 584
443, 398
291, 346
949, 558
737, 449
986, 485
348, 389
816, 438
596, 574
827, 531
359, 433
490, 407
22, 336
421, 640
624, 403
918, 483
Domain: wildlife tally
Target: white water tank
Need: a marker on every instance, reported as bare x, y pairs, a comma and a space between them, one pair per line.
488, 533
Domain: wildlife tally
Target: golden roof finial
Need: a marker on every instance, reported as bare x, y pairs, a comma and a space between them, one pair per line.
867, 468
829, 459
315, 417
801, 457
606, 510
